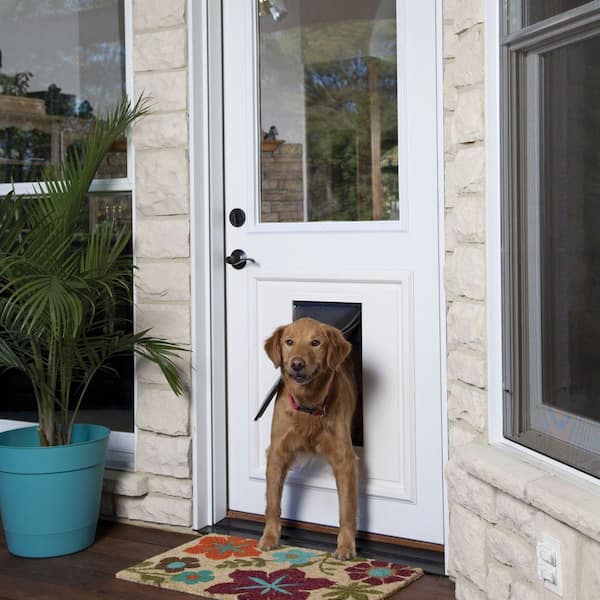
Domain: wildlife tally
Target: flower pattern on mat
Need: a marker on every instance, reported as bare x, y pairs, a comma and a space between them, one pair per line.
378, 572
176, 564
353, 591
193, 577
220, 547
291, 584
294, 556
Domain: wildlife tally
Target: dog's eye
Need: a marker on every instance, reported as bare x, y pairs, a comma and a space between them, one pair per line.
315, 342
289, 342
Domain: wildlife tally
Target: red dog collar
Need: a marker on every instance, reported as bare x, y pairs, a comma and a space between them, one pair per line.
317, 411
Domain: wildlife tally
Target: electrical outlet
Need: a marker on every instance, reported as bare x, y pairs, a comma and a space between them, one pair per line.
549, 563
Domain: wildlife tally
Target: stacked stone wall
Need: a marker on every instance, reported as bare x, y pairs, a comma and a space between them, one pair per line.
501, 505
160, 489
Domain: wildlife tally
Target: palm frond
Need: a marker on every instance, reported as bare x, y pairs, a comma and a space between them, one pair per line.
64, 186
12, 222
162, 353
92, 354
10, 354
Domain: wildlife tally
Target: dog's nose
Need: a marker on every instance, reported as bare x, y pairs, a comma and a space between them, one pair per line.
297, 364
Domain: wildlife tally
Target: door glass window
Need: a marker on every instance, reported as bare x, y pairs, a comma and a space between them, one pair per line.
328, 110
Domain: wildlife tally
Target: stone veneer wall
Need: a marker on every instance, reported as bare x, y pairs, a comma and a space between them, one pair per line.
160, 490
500, 504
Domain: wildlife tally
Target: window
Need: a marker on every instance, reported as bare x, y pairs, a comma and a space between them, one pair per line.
551, 229
329, 91
62, 65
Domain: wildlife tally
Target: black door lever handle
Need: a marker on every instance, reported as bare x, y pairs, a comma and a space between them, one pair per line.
238, 259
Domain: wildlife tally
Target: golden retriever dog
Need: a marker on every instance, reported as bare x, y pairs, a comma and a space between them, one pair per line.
313, 413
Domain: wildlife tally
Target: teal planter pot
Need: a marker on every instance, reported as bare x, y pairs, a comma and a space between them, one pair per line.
50, 497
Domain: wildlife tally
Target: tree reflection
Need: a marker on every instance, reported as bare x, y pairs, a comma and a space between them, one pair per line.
352, 136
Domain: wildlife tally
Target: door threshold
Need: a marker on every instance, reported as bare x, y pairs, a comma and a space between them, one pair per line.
429, 557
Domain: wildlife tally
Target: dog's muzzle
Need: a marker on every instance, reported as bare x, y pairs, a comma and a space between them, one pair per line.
297, 371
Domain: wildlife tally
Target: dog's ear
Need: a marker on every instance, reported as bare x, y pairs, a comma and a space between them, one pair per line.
337, 349
273, 347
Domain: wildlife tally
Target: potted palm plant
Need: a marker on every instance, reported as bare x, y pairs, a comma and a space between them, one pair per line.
60, 289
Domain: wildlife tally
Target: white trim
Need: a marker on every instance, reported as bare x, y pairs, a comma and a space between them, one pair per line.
217, 217
207, 273
201, 385
120, 453
442, 256
8, 424
493, 225
118, 457
402, 223
121, 184
328, 227
129, 90
494, 254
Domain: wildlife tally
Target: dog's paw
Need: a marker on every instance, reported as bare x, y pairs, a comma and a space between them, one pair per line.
268, 542
345, 552
346, 544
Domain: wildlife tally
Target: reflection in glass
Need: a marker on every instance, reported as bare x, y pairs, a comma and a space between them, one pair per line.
329, 111
62, 64
538, 10
109, 399
570, 226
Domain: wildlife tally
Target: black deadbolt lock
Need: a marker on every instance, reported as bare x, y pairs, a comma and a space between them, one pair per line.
237, 217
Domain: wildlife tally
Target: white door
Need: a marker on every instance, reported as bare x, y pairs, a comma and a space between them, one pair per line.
340, 207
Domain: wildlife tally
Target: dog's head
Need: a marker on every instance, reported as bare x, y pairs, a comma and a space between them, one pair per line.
305, 348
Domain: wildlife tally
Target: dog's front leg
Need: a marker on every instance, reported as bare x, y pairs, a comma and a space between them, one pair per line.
346, 477
278, 463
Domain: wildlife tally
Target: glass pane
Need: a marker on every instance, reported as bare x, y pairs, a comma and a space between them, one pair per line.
538, 10
62, 64
109, 399
328, 110
570, 229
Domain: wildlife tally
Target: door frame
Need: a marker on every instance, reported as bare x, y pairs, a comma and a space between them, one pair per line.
207, 242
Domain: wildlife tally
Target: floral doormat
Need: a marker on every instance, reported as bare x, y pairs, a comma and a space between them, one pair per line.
222, 566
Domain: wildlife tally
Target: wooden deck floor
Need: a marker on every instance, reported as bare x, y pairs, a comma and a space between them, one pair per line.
90, 575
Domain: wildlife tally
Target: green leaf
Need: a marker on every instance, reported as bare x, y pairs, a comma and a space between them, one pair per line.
157, 579
329, 565
143, 565
355, 590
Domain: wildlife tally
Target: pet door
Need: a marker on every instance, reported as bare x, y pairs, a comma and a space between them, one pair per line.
347, 317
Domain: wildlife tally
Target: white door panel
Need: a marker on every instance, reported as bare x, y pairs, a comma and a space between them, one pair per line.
389, 266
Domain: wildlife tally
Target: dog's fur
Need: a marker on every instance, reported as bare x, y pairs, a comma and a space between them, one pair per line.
324, 355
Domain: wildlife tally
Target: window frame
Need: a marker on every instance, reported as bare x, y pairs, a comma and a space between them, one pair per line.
121, 447
517, 54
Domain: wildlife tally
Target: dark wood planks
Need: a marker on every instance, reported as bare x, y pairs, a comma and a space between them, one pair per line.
90, 574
